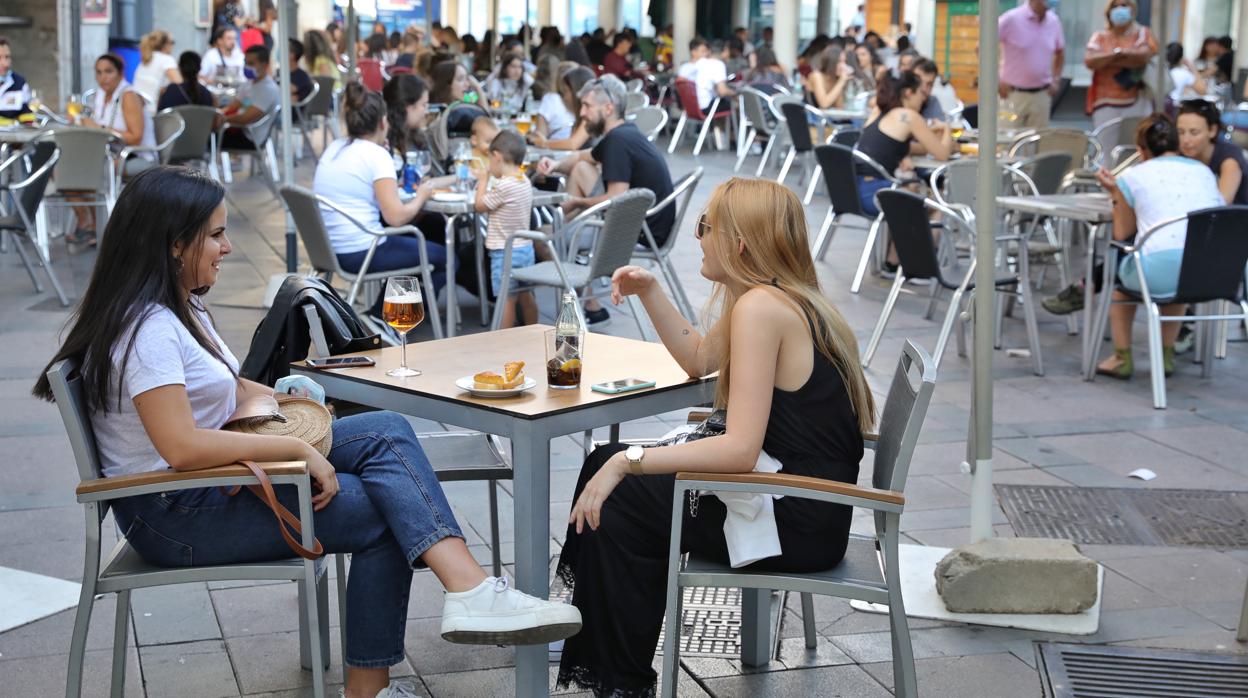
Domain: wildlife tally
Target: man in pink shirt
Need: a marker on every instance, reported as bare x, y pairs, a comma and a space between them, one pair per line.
1032, 52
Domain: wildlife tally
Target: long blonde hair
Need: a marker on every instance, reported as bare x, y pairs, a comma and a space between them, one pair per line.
769, 220
152, 42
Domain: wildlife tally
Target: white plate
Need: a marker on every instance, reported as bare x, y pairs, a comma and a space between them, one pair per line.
450, 197
466, 383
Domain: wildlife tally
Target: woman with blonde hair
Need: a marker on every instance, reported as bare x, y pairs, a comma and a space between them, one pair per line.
558, 125
157, 68
320, 56
793, 387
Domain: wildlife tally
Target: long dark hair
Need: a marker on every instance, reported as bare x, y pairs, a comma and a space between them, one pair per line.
891, 91
1157, 134
401, 91
442, 75
189, 63
362, 110
136, 269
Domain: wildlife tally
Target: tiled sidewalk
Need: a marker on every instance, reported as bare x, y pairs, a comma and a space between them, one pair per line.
239, 639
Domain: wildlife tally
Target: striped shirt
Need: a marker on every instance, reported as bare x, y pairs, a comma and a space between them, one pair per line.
509, 201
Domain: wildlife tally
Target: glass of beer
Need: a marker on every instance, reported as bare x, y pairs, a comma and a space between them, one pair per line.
523, 121
403, 309
74, 107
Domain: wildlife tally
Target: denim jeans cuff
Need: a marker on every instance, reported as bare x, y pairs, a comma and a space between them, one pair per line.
375, 663
438, 534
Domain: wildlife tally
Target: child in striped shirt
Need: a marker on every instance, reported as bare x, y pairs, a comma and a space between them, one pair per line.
506, 195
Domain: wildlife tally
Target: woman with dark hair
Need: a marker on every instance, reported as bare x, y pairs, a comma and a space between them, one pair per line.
159, 383
118, 109
888, 135
189, 91
375, 47
1187, 82
1200, 138
829, 79
559, 125
1163, 185
509, 85
765, 71
357, 173
452, 85
407, 112
867, 67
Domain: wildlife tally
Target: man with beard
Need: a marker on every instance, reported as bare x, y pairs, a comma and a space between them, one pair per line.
627, 161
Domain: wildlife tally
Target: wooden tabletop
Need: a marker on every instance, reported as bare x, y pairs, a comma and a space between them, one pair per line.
443, 361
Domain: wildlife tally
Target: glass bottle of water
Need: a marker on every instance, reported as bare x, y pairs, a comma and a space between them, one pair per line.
569, 329
463, 173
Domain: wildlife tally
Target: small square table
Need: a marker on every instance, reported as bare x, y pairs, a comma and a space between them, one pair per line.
530, 420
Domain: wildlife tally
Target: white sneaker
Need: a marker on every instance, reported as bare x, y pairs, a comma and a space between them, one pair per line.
396, 689
495, 614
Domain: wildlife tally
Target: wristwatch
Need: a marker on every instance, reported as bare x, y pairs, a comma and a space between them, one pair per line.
634, 454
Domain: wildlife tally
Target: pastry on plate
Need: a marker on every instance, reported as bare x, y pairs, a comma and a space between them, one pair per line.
513, 377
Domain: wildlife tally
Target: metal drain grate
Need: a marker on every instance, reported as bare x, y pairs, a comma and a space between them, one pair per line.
1099, 515
1087, 671
710, 624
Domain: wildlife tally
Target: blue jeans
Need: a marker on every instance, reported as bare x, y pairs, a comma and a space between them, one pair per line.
388, 512
400, 252
866, 193
521, 256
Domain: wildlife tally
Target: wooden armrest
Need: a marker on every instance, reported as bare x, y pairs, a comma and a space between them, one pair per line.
697, 416
157, 477
802, 482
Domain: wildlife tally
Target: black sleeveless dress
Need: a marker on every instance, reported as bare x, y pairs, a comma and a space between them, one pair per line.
619, 572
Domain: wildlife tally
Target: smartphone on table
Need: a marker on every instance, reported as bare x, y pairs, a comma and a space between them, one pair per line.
342, 362
622, 386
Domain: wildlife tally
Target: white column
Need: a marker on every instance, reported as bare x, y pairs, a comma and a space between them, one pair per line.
924, 23
609, 14
543, 13
785, 28
560, 16
741, 13
684, 22
1240, 19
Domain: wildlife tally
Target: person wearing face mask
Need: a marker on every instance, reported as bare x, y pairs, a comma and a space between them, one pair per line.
1032, 52
1118, 56
14, 91
257, 98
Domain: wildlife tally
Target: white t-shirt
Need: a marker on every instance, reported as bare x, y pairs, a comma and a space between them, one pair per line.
559, 120
1183, 81
345, 176
213, 60
1167, 187
152, 77
164, 353
706, 73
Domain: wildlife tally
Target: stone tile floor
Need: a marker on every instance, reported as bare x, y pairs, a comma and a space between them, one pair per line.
203, 641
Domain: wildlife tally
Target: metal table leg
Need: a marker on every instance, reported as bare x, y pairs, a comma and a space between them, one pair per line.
1089, 302
530, 453
452, 317
755, 627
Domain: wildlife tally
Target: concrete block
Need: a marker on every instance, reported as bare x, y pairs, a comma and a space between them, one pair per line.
1017, 575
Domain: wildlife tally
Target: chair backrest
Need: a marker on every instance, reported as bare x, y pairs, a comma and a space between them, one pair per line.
304, 208
847, 136
194, 141
754, 104
168, 126
650, 121
621, 228
795, 119
41, 158
85, 164
302, 105
680, 197
372, 74
322, 102
905, 409
634, 101
1126, 126
1084, 150
1214, 255
67, 390
1048, 170
837, 163
687, 91
910, 228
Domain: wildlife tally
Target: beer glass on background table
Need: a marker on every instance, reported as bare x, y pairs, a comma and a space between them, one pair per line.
403, 309
523, 122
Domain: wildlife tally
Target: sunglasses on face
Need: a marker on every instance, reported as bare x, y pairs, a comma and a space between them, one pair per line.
702, 228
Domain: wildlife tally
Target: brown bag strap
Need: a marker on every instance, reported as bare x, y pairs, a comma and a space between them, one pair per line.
285, 519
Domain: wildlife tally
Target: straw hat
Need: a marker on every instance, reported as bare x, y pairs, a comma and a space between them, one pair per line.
285, 415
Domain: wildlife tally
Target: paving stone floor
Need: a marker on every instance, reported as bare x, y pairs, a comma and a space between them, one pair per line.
203, 641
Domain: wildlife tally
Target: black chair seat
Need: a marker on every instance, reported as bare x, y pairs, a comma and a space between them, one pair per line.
11, 222
1002, 281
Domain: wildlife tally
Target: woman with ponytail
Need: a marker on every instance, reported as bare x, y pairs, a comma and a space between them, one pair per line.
157, 69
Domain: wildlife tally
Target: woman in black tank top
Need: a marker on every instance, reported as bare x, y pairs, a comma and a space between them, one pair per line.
799, 395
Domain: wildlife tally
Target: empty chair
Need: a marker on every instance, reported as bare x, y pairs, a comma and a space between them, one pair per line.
305, 208
681, 194
1085, 151
26, 192
320, 109
84, 171
168, 126
836, 165
619, 224
911, 230
1116, 138
691, 112
122, 570
761, 122
198, 141
634, 101
650, 121
1215, 254
302, 120
846, 136
869, 570
801, 145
